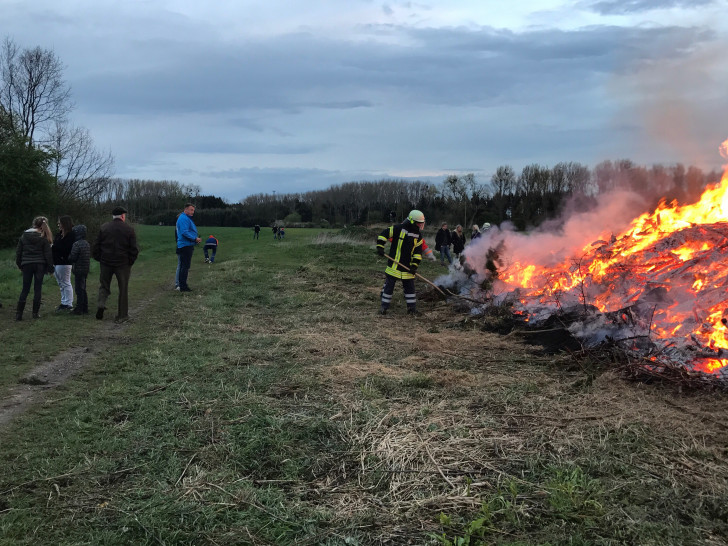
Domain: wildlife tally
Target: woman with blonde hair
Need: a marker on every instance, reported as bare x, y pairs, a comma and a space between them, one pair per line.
62, 245
34, 258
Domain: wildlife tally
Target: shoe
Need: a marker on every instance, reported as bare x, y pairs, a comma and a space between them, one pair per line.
77, 311
100, 313
119, 320
186, 289
382, 311
177, 288
64, 308
413, 312
207, 261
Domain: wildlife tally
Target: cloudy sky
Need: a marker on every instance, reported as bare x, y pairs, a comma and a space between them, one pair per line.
245, 97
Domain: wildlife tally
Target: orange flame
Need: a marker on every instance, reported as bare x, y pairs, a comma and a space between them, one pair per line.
677, 251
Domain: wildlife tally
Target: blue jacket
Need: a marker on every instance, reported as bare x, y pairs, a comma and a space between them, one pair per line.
186, 231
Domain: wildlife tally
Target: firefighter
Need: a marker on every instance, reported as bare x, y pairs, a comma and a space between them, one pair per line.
406, 250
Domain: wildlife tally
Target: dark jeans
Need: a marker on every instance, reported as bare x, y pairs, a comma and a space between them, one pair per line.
81, 294
122, 272
185, 261
31, 272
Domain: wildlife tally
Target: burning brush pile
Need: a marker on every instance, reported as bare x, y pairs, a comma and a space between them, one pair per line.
658, 289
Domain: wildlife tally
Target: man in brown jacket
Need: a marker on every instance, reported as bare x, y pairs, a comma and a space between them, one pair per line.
116, 250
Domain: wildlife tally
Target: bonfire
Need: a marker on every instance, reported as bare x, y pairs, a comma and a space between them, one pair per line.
659, 286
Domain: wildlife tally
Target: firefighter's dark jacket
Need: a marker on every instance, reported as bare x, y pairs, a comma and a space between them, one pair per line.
406, 248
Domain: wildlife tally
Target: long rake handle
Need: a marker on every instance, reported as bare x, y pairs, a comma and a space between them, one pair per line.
432, 283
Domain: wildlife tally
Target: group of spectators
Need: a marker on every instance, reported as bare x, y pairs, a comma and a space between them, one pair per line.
39, 253
444, 238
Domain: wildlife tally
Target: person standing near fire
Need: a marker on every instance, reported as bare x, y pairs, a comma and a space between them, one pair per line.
405, 253
458, 241
443, 240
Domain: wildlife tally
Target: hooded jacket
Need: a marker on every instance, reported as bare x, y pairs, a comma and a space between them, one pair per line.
33, 248
80, 255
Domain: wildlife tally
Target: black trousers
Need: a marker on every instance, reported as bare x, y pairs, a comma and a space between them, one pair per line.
79, 283
32, 272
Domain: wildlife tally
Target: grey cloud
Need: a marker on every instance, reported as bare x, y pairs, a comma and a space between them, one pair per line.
243, 147
623, 7
232, 184
445, 66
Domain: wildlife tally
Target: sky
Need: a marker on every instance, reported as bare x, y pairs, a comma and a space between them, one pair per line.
242, 97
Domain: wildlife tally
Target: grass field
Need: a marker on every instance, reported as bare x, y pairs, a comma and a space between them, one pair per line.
272, 405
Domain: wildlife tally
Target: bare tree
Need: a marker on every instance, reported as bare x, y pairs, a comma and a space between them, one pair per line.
464, 191
570, 178
80, 170
33, 91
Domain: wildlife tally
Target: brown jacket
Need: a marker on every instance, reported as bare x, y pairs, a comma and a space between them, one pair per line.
116, 244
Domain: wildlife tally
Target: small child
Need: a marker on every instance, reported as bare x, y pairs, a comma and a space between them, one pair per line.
80, 257
210, 244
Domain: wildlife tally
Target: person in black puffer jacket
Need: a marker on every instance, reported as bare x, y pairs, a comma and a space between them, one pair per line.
80, 257
34, 258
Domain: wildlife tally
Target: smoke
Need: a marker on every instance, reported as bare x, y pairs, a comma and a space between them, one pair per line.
680, 103
556, 241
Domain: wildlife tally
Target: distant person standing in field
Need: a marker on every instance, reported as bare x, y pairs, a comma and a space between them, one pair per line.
281, 232
442, 243
80, 258
116, 250
61, 249
256, 232
275, 232
34, 258
458, 241
187, 238
210, 245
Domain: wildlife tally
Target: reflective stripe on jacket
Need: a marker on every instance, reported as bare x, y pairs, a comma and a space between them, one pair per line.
406, 248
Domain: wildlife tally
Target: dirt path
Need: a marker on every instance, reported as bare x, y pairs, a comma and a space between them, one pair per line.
35, 386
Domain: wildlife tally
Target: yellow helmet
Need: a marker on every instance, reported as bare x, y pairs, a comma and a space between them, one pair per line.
416, 216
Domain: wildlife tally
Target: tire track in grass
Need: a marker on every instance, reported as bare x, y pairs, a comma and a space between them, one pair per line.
38, 383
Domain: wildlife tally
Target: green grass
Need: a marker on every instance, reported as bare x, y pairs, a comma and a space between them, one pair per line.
273, 406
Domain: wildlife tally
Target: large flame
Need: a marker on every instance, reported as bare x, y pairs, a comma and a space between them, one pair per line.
673, 260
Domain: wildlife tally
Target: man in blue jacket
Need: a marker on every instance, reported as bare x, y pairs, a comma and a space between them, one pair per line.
187, 238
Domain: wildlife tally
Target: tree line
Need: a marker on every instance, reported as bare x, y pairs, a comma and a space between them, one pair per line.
526, 199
